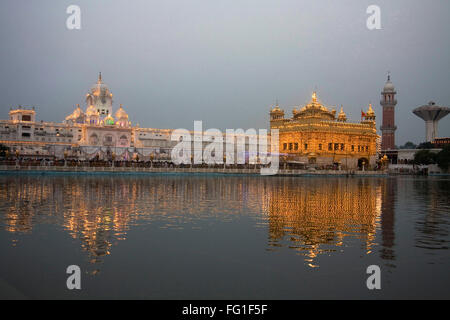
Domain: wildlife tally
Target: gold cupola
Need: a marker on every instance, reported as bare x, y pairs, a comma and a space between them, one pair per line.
276, 113
342, 117
370, 114
314, 110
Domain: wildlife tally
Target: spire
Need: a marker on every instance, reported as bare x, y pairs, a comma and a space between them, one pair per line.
342, 116
314, 96
99, 77
370, 114
389, 76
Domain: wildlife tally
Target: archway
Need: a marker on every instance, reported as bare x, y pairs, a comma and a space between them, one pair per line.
363, 161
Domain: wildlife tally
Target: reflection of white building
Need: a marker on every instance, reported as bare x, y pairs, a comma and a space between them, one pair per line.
86, 134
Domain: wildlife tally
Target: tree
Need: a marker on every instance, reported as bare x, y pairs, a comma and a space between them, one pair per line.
409, 145
425, 145
443, 158
424, 157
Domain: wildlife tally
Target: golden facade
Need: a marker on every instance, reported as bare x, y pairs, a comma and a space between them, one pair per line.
315, 135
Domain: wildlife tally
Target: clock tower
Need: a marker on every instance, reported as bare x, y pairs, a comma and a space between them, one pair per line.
388, 127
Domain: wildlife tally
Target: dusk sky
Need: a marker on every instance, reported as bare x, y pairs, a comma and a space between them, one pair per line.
225, 62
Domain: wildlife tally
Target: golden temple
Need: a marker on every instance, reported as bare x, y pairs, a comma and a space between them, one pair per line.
315, 136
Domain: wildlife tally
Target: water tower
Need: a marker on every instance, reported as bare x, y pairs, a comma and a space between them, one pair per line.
431, 114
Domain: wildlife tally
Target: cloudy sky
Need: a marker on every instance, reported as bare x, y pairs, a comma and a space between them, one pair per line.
225, 62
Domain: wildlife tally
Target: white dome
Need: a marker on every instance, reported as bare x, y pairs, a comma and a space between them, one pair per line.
77, 113
121, 114
100, 88
389, 86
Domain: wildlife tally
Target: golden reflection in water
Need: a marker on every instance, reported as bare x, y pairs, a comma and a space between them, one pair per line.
315, 217
312, 216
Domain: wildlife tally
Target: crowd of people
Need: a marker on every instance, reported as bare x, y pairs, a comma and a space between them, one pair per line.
137, 163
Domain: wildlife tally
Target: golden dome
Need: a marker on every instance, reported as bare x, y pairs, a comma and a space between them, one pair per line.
314, 109
370, 112
342, 116
276, 109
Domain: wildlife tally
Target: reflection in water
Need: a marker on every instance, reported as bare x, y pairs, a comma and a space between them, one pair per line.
389, 193
315, 216
311, 216
99, 210
433, 223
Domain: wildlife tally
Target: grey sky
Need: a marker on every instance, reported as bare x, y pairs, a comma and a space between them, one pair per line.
225, 62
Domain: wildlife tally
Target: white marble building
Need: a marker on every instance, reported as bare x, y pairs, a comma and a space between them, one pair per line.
86, 134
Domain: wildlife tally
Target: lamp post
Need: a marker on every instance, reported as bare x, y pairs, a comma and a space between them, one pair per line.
65, 158
384, 162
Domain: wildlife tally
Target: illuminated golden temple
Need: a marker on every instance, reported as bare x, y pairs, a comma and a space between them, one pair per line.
315, 135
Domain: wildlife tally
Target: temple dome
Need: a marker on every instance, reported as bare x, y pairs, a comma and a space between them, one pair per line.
77, 113
121, 114
99, 91
342, 116
276, 109
100, 84
314, 109
370, 111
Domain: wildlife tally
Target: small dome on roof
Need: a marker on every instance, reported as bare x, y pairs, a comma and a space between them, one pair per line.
370, 111
121, 114
342, 116
77, 113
